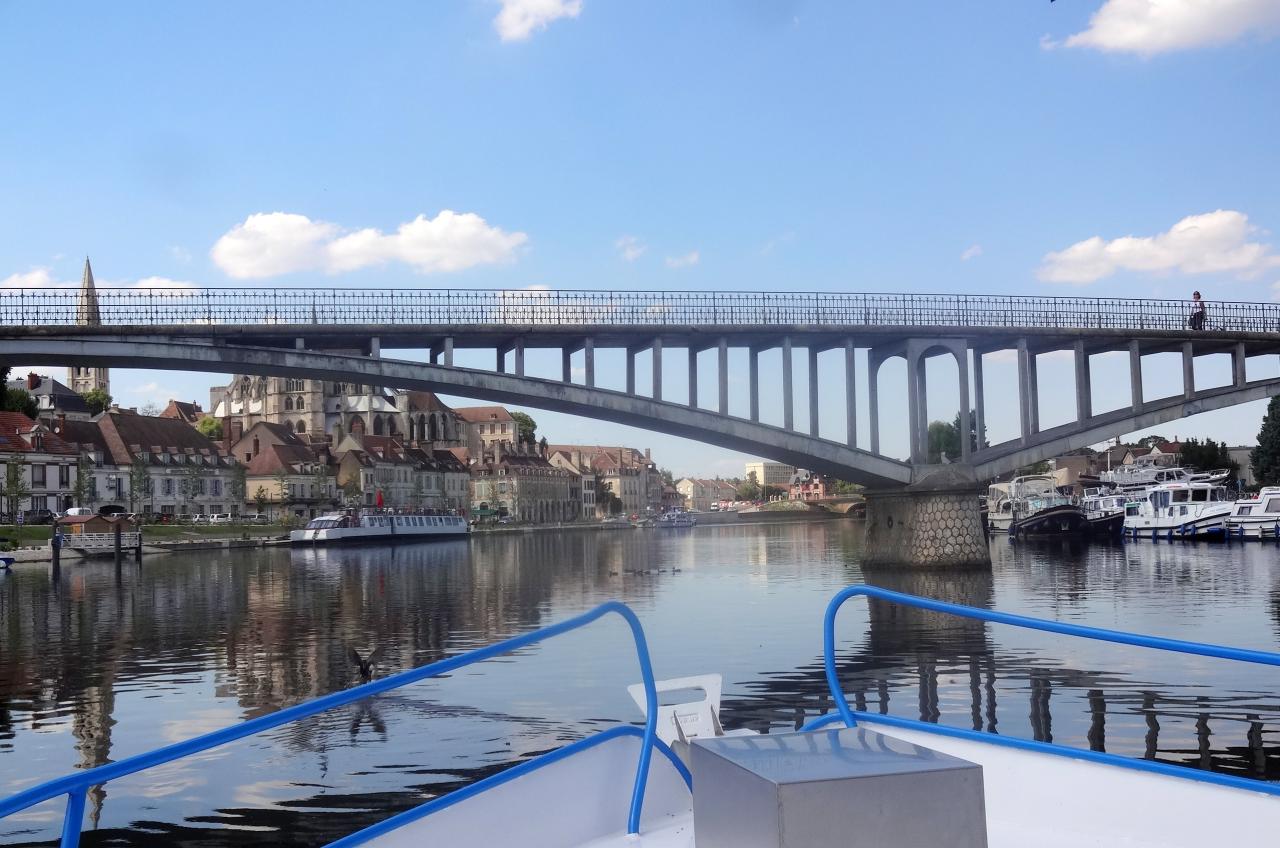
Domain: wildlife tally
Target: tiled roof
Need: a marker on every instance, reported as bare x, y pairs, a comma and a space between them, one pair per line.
188, 412
478, 414
15, 433
126, 433
427, 402
64, 398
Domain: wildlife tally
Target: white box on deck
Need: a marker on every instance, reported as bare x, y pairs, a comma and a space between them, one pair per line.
850, 788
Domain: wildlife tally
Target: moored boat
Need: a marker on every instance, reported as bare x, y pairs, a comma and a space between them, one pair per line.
677, 519
1038, 509
1257, 517
1104, 510
379, 526
1179, 510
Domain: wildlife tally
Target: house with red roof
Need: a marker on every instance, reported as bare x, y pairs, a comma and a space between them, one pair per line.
40, 466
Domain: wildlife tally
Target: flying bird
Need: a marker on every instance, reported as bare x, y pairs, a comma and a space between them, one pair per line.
366, 665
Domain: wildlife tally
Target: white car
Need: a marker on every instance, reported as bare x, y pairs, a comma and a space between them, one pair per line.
220, 518
79, 510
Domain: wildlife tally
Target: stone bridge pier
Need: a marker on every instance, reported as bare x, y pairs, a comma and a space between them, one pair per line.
933, 523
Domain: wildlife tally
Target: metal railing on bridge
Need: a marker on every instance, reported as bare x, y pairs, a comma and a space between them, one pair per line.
167, 307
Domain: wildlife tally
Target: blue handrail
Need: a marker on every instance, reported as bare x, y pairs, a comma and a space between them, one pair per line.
850, 716
75, 786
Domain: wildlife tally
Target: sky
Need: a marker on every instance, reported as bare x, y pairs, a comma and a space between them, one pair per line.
1080, 147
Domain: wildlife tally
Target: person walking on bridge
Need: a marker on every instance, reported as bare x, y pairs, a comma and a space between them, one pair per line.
1196, 321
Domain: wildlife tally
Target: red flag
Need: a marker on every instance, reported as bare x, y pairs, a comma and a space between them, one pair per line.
379, 499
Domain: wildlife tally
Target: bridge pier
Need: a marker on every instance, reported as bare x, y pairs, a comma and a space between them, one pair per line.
934, 522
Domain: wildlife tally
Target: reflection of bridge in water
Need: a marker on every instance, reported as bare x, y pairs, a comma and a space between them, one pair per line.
945, 669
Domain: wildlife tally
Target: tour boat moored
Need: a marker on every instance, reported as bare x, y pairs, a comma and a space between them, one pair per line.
1179, 510
1257, 517
378, 526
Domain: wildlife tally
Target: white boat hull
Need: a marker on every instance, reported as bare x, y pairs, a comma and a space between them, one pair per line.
1207, 520
397, 528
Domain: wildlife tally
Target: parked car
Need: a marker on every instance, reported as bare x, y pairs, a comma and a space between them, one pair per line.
257, 519
220, 518
38, 516
200, 518
79, 510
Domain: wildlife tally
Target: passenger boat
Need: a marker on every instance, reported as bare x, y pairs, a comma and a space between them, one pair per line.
999, 508
677, 519
1105, 511
1038, 509
1179, 510
1142, 475
897, 781
379, 526
1257, 517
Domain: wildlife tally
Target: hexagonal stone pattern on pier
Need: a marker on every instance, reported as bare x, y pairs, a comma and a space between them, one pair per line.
925, 530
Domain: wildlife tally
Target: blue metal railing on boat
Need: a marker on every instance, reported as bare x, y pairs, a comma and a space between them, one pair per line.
76, 786
851, 716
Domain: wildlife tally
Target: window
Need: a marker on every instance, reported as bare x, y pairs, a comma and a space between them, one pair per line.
168, 486
215, 488
288, 404
298, 404
64, 476
1273, 505
37, 476
1245, 510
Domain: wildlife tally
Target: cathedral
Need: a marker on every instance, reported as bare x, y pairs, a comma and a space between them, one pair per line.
83, 379
320, 408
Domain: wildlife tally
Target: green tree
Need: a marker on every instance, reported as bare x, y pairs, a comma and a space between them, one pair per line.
613, 504
191, 483
238, 486
82, 491
843, 487
1265, 458
351, 489
944, 441
15, 487
1208, 456
667, 477
260, 500
97, 400
16, 400
281, 478
1151, 441
320, 479
210, 428
139, 482
526, 427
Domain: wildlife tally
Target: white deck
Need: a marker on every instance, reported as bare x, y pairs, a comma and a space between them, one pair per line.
1032, 799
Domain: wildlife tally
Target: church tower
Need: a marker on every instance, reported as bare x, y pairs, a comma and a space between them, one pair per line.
80, 378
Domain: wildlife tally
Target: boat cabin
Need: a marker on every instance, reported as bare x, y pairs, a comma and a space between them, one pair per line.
1266, 502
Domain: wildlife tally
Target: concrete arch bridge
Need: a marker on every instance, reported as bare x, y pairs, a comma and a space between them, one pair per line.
346, 335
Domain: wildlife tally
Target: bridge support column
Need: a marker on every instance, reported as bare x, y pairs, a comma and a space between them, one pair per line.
932, 523
1028, 391
813, 392
657, 369
979, 400
1238, 363
566, 365
874, 361
724, 376
753, 380
1135, 374
589, 362
1188, 370
788, 414
850, 395
448, 351
519, 357
631, 371
1084, 384
693, 377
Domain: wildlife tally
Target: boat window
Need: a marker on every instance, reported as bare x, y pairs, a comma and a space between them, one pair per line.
1182, 510
1244, 510
1273, 504
1180, 496
1199, 495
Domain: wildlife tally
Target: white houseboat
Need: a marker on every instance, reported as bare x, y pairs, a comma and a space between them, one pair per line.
379, 526
1179, 510
1257, 517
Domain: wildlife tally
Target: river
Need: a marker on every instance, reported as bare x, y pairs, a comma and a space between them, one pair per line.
103, 663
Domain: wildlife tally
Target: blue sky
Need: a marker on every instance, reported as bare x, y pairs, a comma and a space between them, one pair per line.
592, 144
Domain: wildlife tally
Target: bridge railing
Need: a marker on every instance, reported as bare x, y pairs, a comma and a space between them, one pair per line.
157, 307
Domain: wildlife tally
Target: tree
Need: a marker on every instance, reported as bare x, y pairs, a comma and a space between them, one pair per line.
281, 478
667, 477
613, 504
351, 489
843, 487
239, 485
526, 427
944, 441
16, 400
15, 487
139, 482
192, 481
1151, 441
210, 428
260, 500
1265, 458
150, 409
750, 490
97, 400
320, 479
1208, 456
83, 491
419, 491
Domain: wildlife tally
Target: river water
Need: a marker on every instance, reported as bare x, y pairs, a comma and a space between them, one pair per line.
100, 664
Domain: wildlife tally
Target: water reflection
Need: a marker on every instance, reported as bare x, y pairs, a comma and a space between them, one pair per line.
98, 663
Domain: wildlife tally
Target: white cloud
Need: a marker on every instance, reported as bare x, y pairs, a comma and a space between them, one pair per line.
268, 244
973, 251
519, 18
630, 248
161, 283
181, 254
690, 258
1215, 242
1156, 26
35, 278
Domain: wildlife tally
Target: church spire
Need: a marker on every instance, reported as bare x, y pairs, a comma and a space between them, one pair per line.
87, 308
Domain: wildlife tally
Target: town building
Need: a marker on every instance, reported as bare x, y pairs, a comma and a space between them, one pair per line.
1242, 456
776, 474
188, 412
82, 378
807, 486
487, 426
284, 473
153, 465
700, 495
625, 473
53, 399
584, 484
40, 466
519, 482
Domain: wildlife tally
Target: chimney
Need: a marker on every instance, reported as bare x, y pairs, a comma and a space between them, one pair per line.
497, 452
647, 457
33, 381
